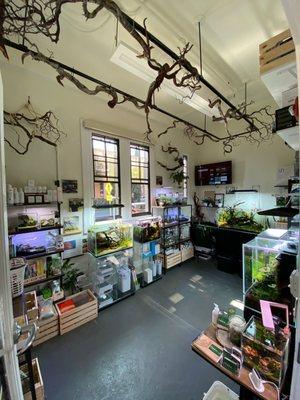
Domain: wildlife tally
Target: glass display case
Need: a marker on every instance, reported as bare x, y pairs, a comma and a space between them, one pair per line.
266, 350
185, 232
267, 266
146, 230
112, 277
109, 237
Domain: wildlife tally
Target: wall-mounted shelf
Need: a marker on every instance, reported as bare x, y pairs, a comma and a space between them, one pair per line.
108, 206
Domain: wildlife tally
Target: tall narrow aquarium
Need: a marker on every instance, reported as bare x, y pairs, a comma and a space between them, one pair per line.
109, 237
267, 266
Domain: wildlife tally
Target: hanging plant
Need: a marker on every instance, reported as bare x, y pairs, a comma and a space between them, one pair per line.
178, 177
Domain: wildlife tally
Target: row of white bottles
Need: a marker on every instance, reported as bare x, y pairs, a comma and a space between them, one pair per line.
15, 195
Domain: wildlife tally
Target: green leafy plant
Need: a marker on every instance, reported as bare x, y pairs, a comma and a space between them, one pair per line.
70, 276
178, 177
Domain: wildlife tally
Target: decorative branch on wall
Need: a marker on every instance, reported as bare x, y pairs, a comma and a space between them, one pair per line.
26, 125
177, 173
37, 17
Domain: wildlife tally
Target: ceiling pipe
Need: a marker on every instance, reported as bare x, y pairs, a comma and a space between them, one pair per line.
215, 138
175, 57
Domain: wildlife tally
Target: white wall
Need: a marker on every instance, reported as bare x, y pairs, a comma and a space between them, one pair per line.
251, 165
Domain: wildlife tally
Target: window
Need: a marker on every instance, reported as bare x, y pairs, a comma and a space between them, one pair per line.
140, 179
106, 175
185, 174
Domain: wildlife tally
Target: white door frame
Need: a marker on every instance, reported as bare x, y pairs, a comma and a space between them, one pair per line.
292, 10
11, 364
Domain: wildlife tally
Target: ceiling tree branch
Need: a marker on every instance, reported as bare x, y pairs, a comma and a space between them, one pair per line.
35, 17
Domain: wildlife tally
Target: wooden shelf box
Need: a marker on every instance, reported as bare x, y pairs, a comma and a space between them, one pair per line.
38, 382
172, 260
48, 328
86, 309
186, 254
276, 52
31, 306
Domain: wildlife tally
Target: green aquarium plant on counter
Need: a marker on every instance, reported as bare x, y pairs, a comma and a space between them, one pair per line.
265, 350
109, 237
27, 221
234, 217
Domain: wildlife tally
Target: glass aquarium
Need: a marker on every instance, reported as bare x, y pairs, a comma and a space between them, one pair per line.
185, 213
265, 350
111, 276
109, 237
170, 236
185, 231
147, 230
267, 266
169, 215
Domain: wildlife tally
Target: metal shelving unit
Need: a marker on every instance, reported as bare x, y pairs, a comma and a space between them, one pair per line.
174, 220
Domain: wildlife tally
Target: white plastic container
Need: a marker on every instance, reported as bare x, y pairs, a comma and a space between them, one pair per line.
124, 281
148, 276
219, 391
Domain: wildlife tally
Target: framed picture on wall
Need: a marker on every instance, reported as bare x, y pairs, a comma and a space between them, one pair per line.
72, 223
219, 200
69, 185
72, 246
159, 181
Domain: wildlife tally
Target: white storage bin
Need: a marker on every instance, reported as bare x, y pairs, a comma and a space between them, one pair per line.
219, 391
124, 279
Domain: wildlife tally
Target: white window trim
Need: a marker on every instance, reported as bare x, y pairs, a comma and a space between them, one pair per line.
88, 128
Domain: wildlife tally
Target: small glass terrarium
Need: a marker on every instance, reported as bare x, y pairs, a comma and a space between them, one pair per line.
109, 237
27, 221
265, 350
185, 213
47, 220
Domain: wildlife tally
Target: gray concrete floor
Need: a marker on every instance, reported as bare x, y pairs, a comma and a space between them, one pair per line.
140, 348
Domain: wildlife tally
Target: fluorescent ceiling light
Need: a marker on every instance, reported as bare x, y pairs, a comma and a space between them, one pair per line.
126, 57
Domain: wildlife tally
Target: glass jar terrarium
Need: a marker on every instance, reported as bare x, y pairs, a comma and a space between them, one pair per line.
236, 327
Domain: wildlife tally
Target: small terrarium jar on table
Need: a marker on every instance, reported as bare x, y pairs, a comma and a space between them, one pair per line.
266, 350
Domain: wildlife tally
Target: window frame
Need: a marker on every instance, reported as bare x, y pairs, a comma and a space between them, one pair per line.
147, 148
96, 136
185, 174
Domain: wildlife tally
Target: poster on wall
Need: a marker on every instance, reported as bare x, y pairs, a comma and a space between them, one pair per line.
69, 185
75, 204
72, 246
72, 223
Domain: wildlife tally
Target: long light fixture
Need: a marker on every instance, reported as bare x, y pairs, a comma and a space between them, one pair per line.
126, 58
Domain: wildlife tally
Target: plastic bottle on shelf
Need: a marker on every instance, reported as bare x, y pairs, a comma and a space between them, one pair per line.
215, 314
10, 195
21, 196
16, 196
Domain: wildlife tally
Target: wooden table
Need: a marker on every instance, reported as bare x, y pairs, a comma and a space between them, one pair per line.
201, 346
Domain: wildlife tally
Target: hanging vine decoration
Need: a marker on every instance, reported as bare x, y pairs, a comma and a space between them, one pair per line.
176, 157
26, 19
26, 126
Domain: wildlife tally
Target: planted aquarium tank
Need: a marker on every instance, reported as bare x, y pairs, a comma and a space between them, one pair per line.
146, 230
235, 217
267, 266
265, 350
109, 237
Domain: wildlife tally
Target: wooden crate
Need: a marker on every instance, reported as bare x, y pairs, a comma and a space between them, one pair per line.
79, 315
276, 51
172, 260
48, 328
38, 382
186, 254
32, 309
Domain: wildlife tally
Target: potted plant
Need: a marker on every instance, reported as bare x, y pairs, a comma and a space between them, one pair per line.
70, 276
178, 177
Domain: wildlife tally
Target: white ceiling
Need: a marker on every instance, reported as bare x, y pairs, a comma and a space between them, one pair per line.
231, 33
